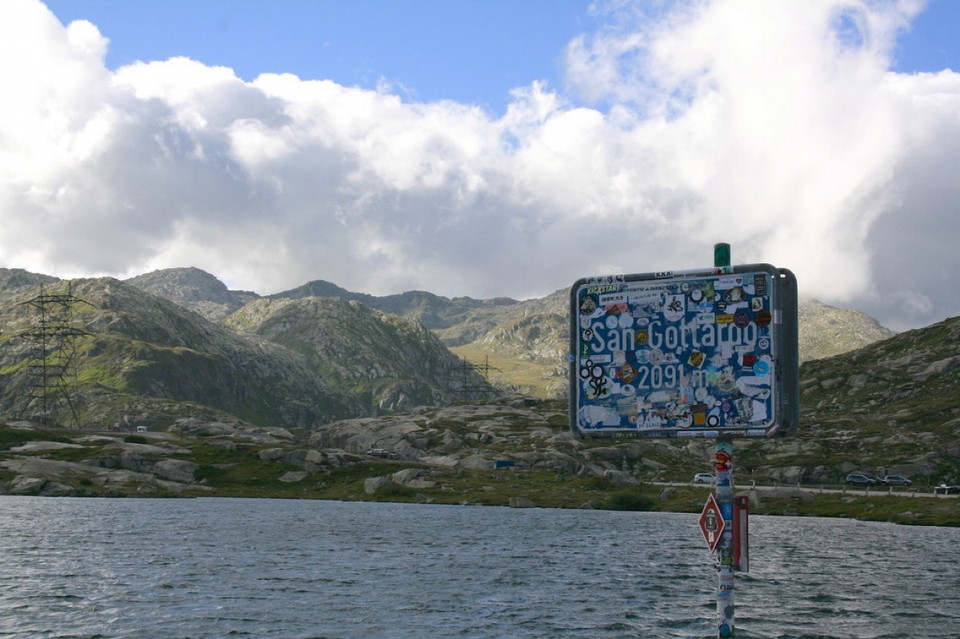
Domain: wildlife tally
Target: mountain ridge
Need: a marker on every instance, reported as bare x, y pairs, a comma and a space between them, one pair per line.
825, 330
118, 353
187, 320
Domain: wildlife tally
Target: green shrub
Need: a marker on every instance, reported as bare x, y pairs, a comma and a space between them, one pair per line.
631, 500
206, 471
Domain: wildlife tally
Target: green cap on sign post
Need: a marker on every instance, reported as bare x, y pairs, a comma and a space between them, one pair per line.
721, 255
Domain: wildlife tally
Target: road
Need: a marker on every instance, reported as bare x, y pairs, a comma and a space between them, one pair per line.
841, 490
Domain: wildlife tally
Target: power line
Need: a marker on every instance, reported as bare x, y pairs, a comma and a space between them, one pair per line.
52, 372
469, 387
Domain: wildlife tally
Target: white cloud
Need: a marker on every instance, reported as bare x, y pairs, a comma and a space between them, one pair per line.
776, 127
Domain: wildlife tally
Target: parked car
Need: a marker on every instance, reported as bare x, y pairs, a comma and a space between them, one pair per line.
859, 479
947, 489
703, 478
896, 480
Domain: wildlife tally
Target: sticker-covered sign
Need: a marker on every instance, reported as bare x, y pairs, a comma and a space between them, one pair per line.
695, 353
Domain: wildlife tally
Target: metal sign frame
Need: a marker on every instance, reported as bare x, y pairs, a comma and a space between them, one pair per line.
703, 353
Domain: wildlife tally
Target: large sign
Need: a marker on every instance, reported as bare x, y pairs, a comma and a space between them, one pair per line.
704, 353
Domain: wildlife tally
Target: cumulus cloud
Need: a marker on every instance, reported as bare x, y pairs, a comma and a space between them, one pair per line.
777, 127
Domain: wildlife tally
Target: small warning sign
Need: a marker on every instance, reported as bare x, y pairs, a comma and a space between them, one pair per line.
711, 523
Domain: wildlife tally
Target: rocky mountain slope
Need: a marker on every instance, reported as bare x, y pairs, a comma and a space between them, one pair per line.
520, 345
390, 362
457, 320
305, 356
193, 289
138, 358
126, 356
890, 408
826, 331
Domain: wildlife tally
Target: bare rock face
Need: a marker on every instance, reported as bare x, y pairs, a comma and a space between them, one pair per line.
27, 485
192, 288
402, 436
147, 361
175, 470
48, 477
826, 331
395, 361
619, 478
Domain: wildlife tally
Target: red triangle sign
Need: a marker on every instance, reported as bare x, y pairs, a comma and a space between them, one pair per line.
711, 523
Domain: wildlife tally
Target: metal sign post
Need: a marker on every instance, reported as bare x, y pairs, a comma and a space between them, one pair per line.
723, 462
723, 487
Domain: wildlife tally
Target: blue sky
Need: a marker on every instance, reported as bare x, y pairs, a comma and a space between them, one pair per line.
486, 148
471, 51
931, 43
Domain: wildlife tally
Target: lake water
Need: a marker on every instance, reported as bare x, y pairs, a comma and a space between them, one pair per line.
214, 568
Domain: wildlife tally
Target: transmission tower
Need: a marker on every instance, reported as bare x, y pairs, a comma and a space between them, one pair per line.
52, 372
470, 388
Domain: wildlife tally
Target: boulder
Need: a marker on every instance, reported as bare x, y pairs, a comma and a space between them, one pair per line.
620, 479
561, 462
362, 434
449, 442
48, 469
56, 489
175, 470
475, 462
941, 366
223, 444
442, 461
26, 485
133, 461
403, 477
412, 478
373, 484
652, 464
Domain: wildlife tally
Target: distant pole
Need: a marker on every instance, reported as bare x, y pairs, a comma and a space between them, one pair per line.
723, 487
721, 255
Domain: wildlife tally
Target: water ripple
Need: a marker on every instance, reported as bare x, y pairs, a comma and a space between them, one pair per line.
211, 568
